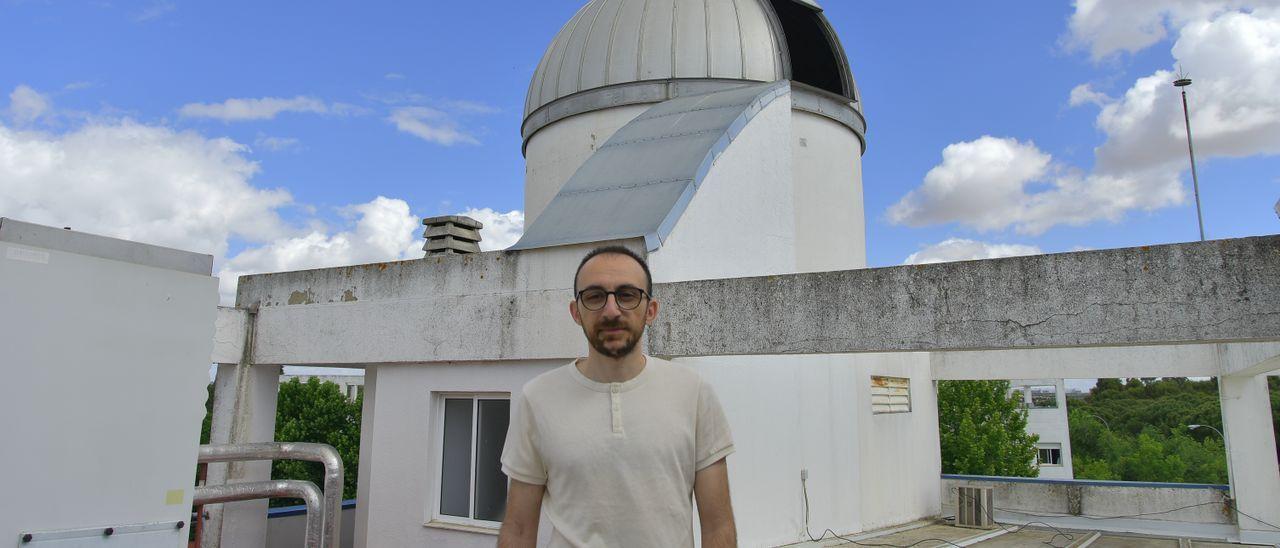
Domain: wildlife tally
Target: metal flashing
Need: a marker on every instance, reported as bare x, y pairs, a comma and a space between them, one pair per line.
620, 192
56, 239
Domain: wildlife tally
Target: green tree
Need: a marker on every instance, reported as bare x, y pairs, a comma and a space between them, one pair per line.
982, 431
1137, 431
317, 412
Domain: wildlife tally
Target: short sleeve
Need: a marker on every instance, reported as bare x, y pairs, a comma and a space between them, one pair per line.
714, 441
520, 457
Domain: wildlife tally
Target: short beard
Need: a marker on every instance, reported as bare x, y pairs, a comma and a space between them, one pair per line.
632, 340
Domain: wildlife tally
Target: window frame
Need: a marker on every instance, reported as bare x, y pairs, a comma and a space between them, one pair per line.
436, 518
1031, 396
1049, 447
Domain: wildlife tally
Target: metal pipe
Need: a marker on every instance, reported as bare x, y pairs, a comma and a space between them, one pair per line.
255, 490
1182, 84
313, 452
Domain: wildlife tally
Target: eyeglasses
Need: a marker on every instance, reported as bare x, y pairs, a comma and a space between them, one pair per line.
628, 298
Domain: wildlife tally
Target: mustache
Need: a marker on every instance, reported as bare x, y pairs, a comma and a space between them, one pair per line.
618, 324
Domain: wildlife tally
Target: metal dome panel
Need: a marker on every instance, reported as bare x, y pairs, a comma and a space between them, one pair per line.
612, 42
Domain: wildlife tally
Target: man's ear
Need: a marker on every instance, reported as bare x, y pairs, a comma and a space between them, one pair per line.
651, 312
573, 311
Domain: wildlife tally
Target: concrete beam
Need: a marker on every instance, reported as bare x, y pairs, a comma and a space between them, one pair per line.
499, 326
1219, 291
512, 305
1177, 360
1250, 360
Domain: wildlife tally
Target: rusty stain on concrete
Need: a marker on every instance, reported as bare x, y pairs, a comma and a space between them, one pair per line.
349, 295
302, 297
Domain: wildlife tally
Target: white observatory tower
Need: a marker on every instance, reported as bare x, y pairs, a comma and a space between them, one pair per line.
616, 59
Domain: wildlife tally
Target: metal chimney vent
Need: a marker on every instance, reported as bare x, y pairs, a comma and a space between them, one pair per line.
975, 507
451, 234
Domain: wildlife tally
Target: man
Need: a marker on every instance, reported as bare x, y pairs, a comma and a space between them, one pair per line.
614, 443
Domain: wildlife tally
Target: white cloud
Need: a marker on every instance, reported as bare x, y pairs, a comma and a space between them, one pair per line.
979, 183
26, 105
959, 249
155, 11
276, 144
1085, 94
384, 230
180, 189
1107, 27
139, 182
995, 183
1234, 60
468, 107
394, 76
266, 108
501, 230
431, 125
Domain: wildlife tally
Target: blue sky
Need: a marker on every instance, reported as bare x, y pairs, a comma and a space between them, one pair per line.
311, 134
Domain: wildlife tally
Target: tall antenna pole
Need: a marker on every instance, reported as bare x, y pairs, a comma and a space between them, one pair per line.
1182, 82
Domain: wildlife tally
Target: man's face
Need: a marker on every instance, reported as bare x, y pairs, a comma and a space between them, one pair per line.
613, 331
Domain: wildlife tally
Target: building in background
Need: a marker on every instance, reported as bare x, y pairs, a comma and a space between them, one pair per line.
1046, 403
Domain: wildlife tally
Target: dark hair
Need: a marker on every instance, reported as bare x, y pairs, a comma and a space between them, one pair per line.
616, 250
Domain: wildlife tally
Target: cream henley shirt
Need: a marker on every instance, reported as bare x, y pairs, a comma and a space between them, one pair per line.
617, 459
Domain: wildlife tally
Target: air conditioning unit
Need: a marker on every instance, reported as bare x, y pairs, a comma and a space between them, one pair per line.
975, 507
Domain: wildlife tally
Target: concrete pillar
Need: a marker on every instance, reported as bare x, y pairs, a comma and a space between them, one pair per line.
363, 477
1251, 452
244, 411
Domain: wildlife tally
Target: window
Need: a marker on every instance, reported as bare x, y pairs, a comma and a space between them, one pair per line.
473, 428
1049, 455
1019, 395
1044, 397
890, 395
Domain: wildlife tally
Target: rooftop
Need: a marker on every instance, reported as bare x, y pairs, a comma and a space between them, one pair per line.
934, 534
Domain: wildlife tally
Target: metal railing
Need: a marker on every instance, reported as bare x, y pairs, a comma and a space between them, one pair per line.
330, 501
255, 490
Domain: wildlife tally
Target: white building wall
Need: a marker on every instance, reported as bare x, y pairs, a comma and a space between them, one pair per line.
898, 457
106, 364
399, 488
555, 152
1050, 424
830, 226
794, 413
739, 222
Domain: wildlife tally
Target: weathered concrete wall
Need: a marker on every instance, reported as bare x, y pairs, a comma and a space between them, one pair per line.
1226, 290
1200, 292
1101, 499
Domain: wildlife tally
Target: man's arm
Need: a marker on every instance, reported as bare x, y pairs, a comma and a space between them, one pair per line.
524, 508
715, 512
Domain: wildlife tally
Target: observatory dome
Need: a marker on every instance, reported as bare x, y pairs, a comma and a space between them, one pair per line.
621, 52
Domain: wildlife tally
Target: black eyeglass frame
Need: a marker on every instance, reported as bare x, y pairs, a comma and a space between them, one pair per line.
643, 293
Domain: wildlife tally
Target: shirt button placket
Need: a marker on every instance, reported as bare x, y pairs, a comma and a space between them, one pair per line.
615, 400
